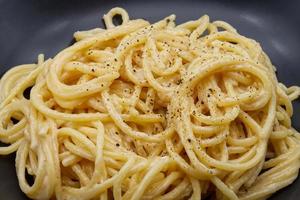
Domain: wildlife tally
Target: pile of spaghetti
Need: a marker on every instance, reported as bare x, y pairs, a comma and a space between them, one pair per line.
151, 111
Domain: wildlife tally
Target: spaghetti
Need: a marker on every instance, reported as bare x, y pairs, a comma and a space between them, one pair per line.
151, 111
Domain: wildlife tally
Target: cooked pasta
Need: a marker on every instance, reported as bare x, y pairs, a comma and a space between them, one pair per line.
151, 111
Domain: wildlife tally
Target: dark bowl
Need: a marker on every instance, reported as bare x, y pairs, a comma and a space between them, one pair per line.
30, 27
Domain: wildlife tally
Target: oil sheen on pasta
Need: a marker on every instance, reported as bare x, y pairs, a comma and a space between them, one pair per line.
151, 111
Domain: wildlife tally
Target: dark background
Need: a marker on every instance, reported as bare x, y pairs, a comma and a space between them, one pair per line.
30, 27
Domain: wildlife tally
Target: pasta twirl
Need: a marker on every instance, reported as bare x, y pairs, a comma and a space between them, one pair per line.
151, 111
